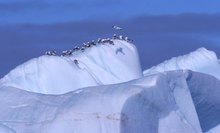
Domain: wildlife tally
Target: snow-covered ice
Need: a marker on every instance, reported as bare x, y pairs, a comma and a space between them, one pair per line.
101, 65
174, 102
107, 93
134, 106
201, 60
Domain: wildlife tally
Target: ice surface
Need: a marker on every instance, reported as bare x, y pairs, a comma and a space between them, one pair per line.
4, 129
205, 93
100, 65
163, 106
214, 130
170, 102
107, 93
201, 60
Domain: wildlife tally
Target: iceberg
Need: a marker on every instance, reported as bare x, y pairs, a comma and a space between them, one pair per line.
101, 65
201, 60
107, 92
155, 103
171, 102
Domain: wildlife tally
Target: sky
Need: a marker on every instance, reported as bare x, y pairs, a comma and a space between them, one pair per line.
160, 29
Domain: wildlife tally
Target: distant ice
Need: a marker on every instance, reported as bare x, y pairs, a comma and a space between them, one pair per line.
201, 60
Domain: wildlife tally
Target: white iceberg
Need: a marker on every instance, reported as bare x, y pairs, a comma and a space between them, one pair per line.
101, 65
201, 60
107, 93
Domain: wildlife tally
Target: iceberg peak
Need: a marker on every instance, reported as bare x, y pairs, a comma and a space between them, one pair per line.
100, 65
201, 60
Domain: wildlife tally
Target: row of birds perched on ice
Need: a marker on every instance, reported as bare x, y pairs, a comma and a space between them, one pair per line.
90, 44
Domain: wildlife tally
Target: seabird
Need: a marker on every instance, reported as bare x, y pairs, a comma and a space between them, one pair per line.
88, 45
82, 49
99, 40
116, 27
76, 48
47, 53
54, 53
121, 37
76, 62
128, 39
93, 42
64, 53
111, 42
102, 41
115, 36
84, 44
69, 52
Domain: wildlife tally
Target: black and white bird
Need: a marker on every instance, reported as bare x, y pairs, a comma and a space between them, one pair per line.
111, 42
88, 45
128, 39
64, 53
51, 53
76, 48
99, 40
93, 42
48, 53
54, 53
67, 53
104, 41
115, 36
76, 62
121, 37
84, 44
116, 27
82, 49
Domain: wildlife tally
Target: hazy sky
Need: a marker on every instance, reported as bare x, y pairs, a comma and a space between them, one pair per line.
161, 28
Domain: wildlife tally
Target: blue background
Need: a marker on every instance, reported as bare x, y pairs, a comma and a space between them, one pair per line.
161, 29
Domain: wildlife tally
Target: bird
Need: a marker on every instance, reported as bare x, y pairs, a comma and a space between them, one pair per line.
111, 42
82, 49
76, 48
54, 53
51, 53
69, 52
128, 39
104, 40
99, 40
121, 37
88, 45
84, 44
76, 62
116, 27
93, 42
115, 36
48, 53
64, 53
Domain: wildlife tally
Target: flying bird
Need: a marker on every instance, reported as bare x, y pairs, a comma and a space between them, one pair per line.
116, 27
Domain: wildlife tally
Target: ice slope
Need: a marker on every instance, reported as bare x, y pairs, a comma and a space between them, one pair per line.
160, 103
105, 64
201, 60
205, 92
